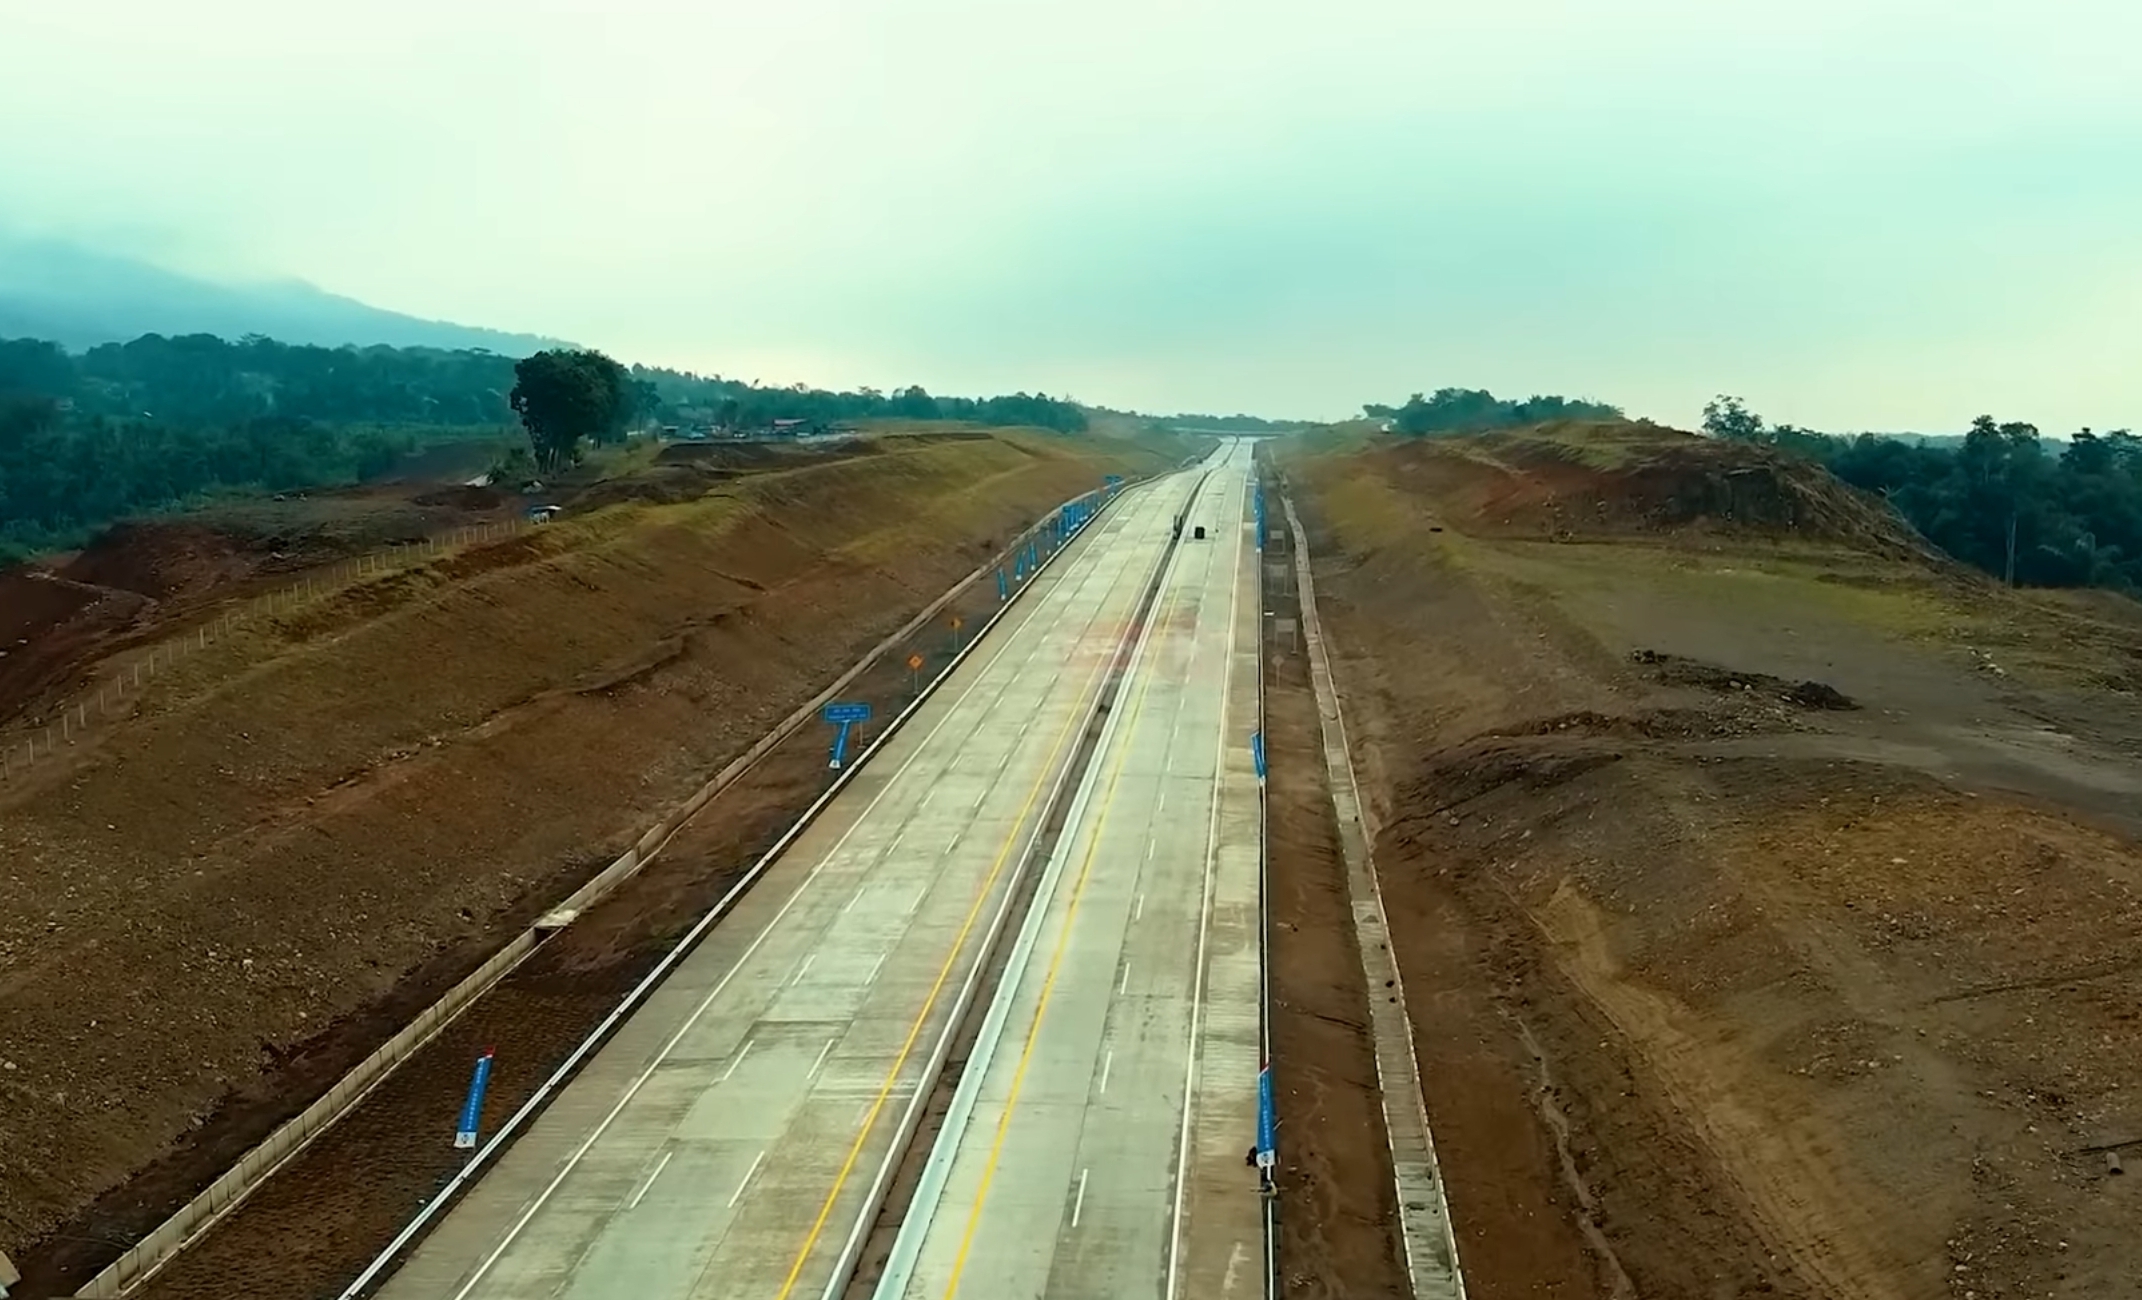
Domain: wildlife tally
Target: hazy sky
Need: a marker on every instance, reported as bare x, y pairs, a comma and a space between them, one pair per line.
1858, 213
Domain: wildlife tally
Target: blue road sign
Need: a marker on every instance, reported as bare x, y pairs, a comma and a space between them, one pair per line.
1256, 748
472, 1108
1003, 587
843, 716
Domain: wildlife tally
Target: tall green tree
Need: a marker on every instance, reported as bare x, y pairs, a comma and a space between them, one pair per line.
1729, 417
564, 396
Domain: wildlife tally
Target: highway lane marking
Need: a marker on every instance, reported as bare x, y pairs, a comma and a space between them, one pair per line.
741, 1054
1204, 930
738, 1194
1123, 985
823, 1052
1139, 914
1080, 1204
1107, 1063
535, 1206
641, 1194
805, 968
944, 973
875, 966
1056, 959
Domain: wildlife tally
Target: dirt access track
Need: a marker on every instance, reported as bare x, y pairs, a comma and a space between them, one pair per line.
213, 907
1766, 888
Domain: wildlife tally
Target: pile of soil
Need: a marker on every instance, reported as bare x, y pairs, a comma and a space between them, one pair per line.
1574, 480
50, 629
1728, 988
164, 560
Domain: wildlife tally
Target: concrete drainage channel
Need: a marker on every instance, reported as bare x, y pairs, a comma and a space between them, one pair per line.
258, 1165
1429, 1244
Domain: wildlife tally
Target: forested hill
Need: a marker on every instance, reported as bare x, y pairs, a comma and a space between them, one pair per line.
80, 297
201, 379
124, 428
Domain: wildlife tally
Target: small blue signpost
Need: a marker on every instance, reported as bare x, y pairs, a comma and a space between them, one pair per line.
1003, 588
1267, 1124
472, 1108
1256, 747
1260, 516
844, 716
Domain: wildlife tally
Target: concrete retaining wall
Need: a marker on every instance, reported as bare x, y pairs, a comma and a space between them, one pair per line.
254, 1168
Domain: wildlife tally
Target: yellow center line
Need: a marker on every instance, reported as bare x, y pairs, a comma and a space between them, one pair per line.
1056, 958
944, 973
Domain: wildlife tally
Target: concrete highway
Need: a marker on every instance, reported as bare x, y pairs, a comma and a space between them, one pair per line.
724, 1142
1096, 1146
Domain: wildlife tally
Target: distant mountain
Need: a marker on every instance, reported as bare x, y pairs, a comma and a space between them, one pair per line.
79, 298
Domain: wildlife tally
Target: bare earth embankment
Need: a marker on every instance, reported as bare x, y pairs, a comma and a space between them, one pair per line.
212, 907
1767, 890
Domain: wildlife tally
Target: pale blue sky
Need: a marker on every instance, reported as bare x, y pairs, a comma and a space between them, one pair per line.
1858, 213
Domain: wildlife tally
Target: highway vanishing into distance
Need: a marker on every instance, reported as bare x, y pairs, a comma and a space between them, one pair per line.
734, 1138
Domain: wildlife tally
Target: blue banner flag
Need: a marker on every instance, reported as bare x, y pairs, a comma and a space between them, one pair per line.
1267, 1121
472, 1108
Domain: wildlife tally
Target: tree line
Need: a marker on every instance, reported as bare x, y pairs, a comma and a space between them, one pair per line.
2004, 498
128, 428
1473, 410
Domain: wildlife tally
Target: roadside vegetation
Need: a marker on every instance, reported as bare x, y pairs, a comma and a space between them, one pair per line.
133, 428
1476, 410
2001, 498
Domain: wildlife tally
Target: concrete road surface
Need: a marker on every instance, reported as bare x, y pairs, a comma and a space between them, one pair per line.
723, 1144
1096, 1148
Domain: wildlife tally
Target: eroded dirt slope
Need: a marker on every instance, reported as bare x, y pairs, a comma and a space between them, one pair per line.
313, 827
1770, 891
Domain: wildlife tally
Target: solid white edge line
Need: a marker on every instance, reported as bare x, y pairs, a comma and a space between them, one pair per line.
1079, 1205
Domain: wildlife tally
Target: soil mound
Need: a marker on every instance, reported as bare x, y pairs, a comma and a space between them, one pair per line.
463, 496
162, 560
1587, 479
